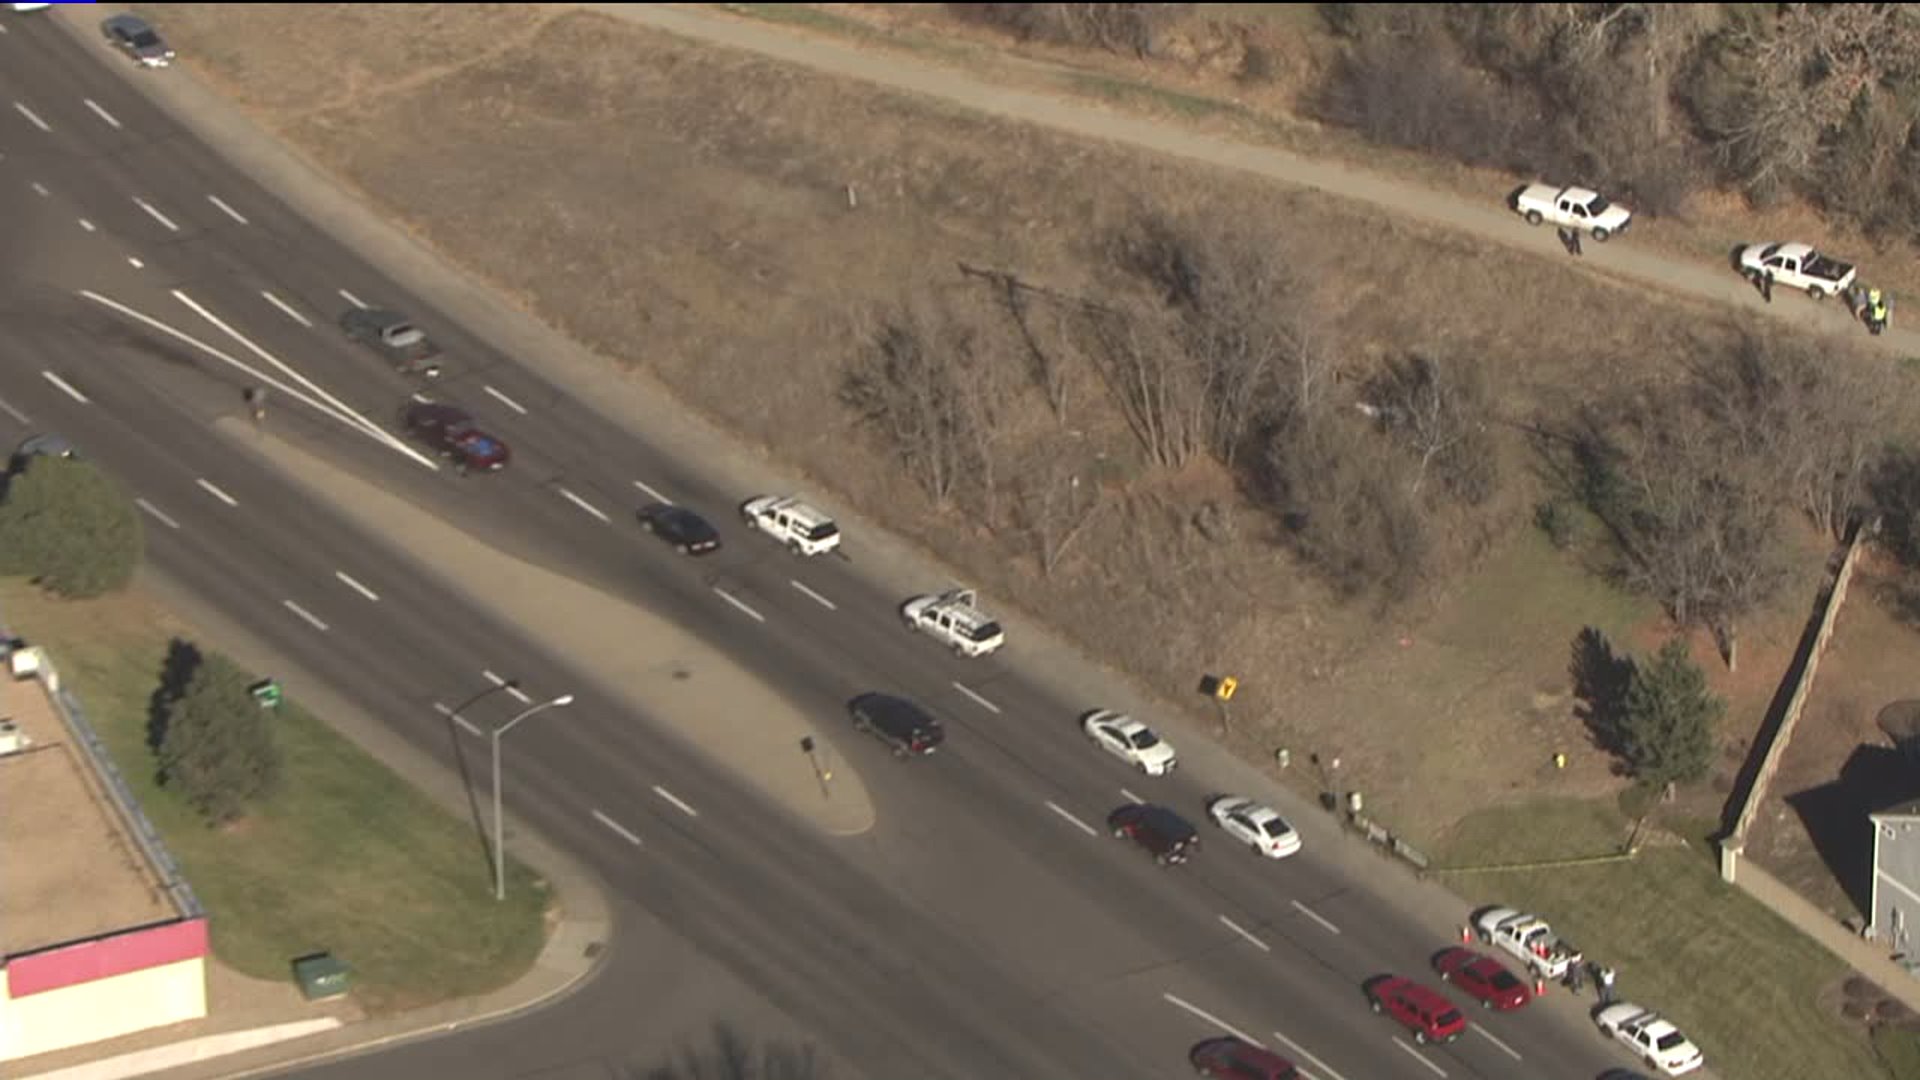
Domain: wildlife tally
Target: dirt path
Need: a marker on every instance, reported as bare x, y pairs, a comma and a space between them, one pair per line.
1716, 284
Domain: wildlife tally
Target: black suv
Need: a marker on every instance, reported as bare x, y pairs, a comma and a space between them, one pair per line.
899, 723
680, 527
1165, 834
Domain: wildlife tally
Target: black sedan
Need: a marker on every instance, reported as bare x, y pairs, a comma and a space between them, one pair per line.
1164, 834
680, 527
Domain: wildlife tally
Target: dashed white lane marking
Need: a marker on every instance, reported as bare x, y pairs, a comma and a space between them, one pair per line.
1068, 814
505, 400
815, 597
675, 800
40, 189
1238, 929
356, 586
585, 505
87, 225
65, 386
352, 299
1203, 1014
1495, 1040
15, 413
157, 513
1314, 915
103, 114
464, 723
228, 210
515, 692
657, 497
210, 489
135, 262
1306, 1054
1132, 798
623, 832
421, 398
155, 214
304, 614
1418, 1056
739, 603
982, 702
286, 309
31, 115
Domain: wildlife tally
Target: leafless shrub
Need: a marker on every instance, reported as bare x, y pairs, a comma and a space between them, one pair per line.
1439, 411
1334, 485
1059, 499
1159, 388
1131, 28
1417, 93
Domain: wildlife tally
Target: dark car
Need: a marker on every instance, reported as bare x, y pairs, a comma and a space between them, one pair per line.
1164, 834
899, 723
38, 446
393, 336
1484, 979
1420, 1009
452, 434
131, 32
680, 527
1229, 1058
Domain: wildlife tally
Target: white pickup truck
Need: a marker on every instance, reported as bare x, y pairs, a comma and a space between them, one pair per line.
1796, 266
1573, 208
1529, 938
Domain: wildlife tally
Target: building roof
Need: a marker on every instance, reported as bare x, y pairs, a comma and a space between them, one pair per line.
1906, 811
73, 870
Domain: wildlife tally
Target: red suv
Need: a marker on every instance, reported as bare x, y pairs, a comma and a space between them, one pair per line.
1431, 1017
1229, 1058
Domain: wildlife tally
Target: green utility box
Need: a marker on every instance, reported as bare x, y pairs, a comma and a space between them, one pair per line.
322, 976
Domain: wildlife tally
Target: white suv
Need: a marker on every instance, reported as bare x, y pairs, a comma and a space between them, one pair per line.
805, 530
955, 618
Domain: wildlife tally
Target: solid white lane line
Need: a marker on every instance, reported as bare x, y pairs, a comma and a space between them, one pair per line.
155, 214
352, 299
216, 492
15, 413
505, 400
675, 800
1065, 813
624, 832
1417, 1056
1315, 916
227, 210
356, 586
31, 115
1238, 929
465, 723
87, 225
1132, 798
156, 513
1495, 1040
585, 505
982, 702
515, 692
1212, 1019
102, 113
657, 497
816, 597
304, 614
739, 603
65, 386
1324, 1069
286, 309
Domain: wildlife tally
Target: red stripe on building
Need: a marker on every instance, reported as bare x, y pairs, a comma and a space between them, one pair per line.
105, 957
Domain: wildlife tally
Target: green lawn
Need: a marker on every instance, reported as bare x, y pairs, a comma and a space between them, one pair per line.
348, 857
1740, 981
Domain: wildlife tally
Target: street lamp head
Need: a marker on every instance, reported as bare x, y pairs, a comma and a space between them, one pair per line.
563, 699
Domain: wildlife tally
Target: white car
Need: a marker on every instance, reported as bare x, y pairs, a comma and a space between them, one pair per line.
1130, 740
1258, 826
1652, 1038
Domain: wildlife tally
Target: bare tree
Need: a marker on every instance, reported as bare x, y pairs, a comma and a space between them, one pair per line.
1160, 389
1059, 500
1440, 412
1129, 27
1332, 483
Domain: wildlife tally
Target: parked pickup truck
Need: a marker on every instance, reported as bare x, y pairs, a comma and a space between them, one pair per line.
388, 333
1796, 266
1574, 208
1527, 937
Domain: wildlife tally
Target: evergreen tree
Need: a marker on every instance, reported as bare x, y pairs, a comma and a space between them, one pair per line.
1667, 729
218, 748
66, 525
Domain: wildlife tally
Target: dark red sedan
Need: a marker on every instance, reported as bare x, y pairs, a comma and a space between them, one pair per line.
1484, 979
1228, 1058
452, 434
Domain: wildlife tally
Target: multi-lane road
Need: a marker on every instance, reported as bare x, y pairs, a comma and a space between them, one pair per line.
986, 927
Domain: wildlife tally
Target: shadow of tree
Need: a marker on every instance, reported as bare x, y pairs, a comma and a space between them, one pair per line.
176, 671
1601, 678
1834, 814
732, 1056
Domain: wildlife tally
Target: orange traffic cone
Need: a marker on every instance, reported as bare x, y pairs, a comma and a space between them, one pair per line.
1466, 935
1539, 986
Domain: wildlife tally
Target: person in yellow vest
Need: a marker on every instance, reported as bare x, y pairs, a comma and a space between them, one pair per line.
1879, 311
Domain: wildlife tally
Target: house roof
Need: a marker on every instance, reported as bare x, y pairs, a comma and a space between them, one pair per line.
1906, 811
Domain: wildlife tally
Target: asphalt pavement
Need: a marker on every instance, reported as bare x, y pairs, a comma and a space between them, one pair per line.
986, 926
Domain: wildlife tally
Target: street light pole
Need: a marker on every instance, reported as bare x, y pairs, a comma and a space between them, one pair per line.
499, 821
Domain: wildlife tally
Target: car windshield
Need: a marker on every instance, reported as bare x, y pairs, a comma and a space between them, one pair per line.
823, 532
1768, 251
1598, 206
1504, 980
1277, 828
985, 632
1143, 739
1447, 1019
1672, 1040
145, 38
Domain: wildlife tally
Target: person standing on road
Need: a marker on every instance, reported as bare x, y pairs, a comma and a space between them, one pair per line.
257, 404
1765, 282
1879, 311
1570, 239
1603, 978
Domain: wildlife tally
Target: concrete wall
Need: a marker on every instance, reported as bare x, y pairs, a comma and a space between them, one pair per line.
101, 1009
